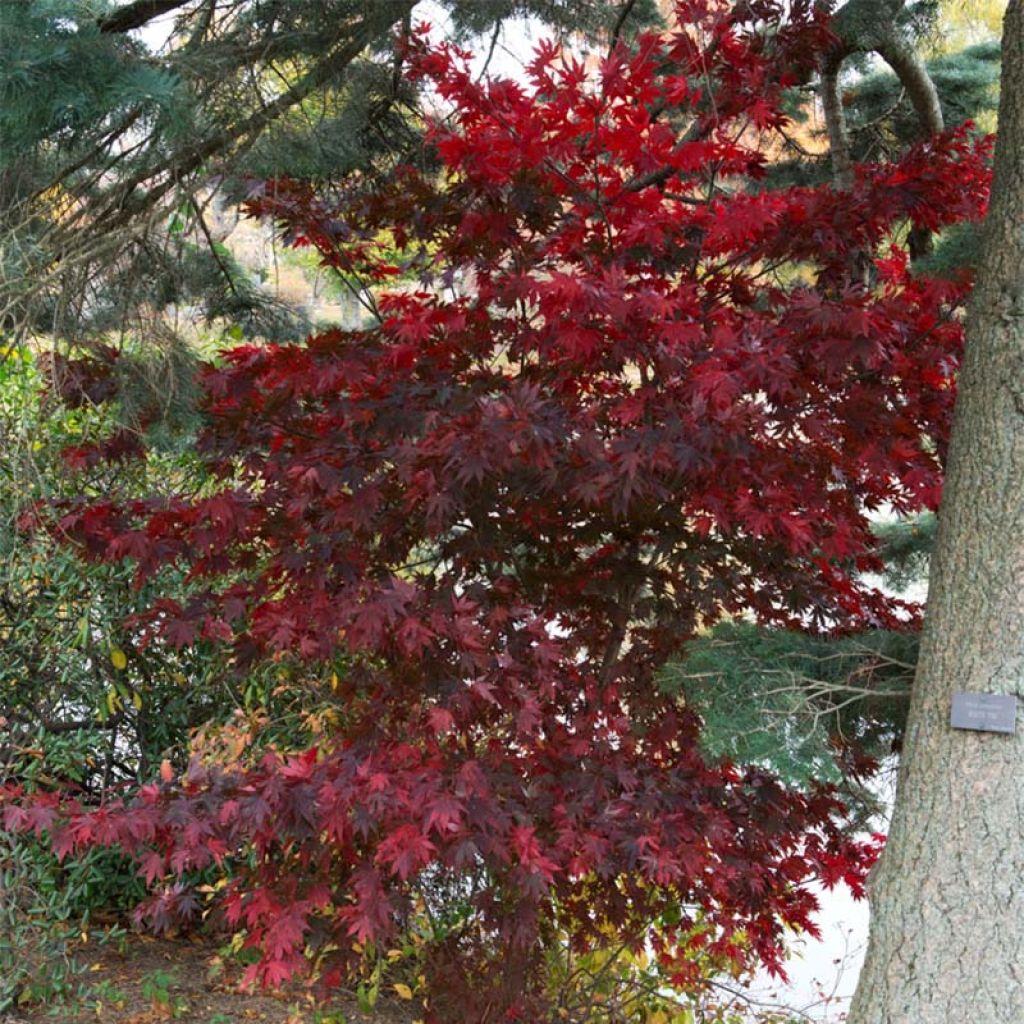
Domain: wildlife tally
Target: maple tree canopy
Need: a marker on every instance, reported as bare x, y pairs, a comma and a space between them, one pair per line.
617, 393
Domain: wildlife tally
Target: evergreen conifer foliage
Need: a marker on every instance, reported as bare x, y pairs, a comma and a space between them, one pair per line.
812, 708
506, 509
967, 83
105, 136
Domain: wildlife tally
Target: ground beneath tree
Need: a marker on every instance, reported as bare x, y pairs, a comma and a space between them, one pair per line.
144, 980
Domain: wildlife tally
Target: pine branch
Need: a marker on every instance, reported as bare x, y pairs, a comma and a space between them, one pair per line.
135, 15
125, 202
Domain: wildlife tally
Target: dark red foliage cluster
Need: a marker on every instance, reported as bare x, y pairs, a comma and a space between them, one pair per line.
618, 392
85, 379
88, 378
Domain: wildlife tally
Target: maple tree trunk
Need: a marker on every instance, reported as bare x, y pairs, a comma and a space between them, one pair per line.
947, 929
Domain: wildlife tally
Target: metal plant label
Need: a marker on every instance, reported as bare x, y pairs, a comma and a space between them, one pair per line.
987, 712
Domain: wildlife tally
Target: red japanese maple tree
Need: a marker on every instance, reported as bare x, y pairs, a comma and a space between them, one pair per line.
631, 392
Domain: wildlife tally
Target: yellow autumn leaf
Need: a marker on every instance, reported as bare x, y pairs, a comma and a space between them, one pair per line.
403, 990
118, 659
137, 700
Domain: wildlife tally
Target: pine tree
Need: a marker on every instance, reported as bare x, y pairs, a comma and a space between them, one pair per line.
104, 138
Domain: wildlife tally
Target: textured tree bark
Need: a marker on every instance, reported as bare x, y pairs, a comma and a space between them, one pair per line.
864, 26
835, 122
913, 75
947, 929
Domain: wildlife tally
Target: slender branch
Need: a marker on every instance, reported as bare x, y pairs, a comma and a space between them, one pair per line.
201, 29
700, 129
125, 201
225, 273
490, 51
137, 14
620, 22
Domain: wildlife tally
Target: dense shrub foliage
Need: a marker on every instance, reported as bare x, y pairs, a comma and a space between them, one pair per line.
630, 396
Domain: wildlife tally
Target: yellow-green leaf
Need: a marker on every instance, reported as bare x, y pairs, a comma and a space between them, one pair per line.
118, 659
403, 990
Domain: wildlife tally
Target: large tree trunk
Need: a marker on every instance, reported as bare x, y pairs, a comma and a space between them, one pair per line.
947, 929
